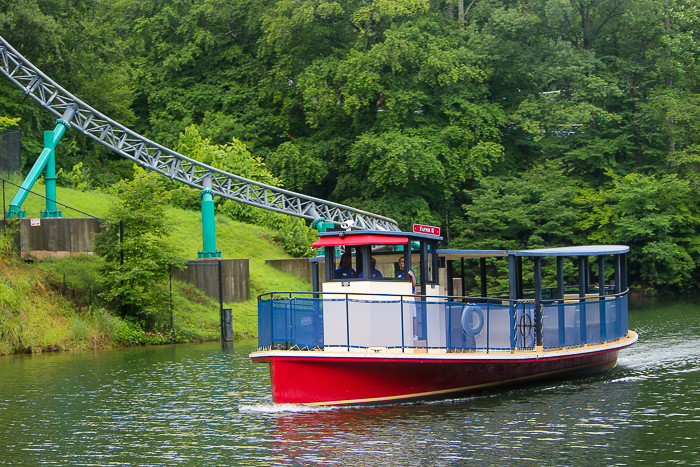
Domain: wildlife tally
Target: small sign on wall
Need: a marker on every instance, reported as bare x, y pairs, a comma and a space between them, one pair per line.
35, 222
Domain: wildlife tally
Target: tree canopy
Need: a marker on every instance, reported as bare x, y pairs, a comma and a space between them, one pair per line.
525, 123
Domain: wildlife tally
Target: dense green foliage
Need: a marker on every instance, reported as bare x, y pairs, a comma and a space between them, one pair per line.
137, 262
509, 123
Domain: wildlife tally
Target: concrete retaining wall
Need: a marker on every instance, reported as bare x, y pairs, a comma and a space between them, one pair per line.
56, 237
204, 274
300, 267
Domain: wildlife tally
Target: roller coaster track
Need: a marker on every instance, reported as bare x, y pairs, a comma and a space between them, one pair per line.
175, 166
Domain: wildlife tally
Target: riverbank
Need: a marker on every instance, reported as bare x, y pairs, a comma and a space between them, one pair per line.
54, 304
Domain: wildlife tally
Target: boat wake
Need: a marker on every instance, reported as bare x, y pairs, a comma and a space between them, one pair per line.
272, 408
666, 353
627, 379
659, 359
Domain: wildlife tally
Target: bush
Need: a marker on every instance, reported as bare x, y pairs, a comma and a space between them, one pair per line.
78, 178
138, 286
10, 330
131, 332
8, 247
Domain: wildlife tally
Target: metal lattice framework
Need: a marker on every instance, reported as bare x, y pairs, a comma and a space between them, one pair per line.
171, 164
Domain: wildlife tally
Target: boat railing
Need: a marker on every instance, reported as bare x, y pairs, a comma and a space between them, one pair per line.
576, 321
413, 323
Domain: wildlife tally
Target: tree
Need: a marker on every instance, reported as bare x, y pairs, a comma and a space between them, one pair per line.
193, 62
532, 210
299, 170
8, 122
388, 96
657, 216
138, 286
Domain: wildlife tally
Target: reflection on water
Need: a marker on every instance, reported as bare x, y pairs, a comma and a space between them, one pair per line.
541, 424
204, 405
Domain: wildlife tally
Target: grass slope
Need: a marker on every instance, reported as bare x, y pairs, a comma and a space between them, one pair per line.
36, 312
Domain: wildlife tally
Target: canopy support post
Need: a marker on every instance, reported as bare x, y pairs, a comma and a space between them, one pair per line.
450, 278
582, 271
482, 275
538, 303
560, 295
601, 294
512, 283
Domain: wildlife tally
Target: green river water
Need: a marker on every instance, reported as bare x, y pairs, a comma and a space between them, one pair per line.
208, 405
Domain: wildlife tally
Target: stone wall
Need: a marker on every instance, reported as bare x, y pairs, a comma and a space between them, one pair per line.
204, 274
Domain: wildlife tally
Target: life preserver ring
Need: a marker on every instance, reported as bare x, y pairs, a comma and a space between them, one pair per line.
466, 325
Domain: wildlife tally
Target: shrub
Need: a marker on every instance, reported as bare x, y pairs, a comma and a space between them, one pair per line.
78, 178
138, 286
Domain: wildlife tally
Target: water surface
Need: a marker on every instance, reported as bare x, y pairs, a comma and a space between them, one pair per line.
209, 405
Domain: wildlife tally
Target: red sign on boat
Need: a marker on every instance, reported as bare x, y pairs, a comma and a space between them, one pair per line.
426, 229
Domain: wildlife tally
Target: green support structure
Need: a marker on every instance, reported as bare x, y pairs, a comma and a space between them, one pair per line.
45, 163
321, 225
52, 138
208, 223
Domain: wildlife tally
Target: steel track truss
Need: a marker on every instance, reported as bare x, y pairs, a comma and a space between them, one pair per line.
173, 165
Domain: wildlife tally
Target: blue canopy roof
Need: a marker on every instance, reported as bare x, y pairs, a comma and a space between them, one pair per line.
590, 250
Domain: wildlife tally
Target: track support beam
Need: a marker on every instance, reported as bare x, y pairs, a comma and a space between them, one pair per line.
46, 163
208, 222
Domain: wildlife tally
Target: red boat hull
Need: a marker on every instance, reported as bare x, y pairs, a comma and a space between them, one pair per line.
317, 378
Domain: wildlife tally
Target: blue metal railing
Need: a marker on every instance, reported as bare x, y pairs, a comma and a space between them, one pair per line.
298, 320
588, 320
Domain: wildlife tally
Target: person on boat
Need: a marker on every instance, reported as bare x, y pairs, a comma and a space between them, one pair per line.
345, 271
375, 271
401, 273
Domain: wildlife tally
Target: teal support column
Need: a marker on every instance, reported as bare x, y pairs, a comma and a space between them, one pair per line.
208, 223
50, 173
46, 160
321, 225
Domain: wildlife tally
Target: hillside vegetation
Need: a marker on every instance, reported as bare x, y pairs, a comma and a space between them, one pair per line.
55, 304
511, 124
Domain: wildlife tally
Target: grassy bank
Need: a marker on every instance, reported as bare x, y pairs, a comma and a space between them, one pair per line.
54, 304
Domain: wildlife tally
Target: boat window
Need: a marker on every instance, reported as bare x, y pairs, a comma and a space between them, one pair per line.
431, 267
386, 263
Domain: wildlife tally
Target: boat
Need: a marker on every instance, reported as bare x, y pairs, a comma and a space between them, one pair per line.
380, 339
